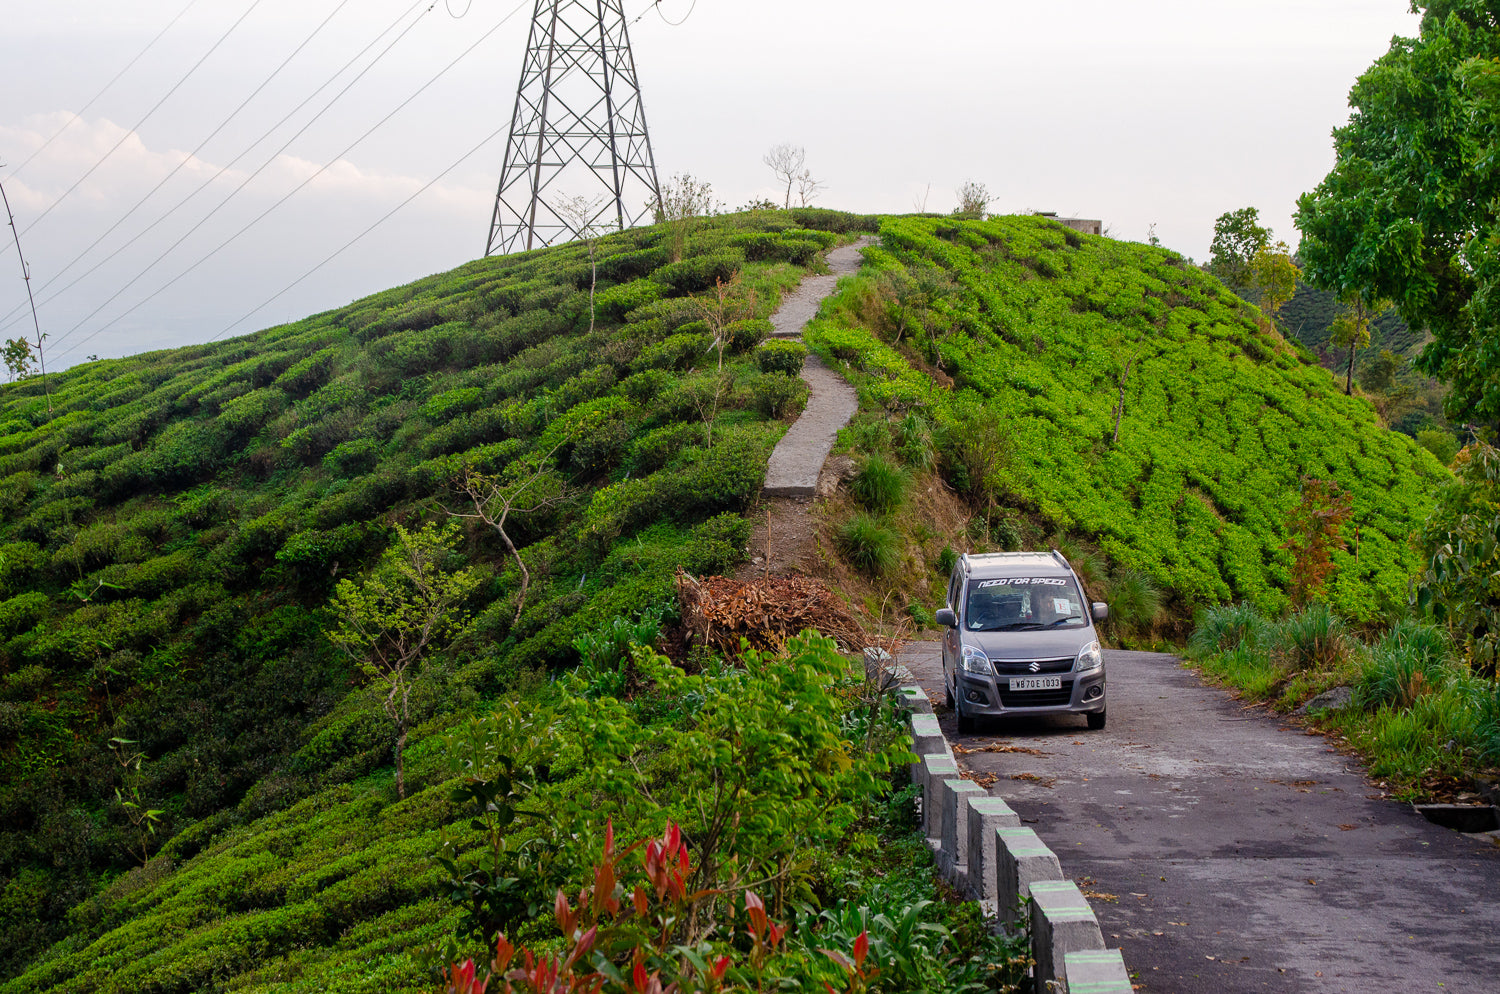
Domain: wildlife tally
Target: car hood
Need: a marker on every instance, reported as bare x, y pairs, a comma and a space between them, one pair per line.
1031, 645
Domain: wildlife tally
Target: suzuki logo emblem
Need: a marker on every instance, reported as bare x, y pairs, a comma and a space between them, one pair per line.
1036, 667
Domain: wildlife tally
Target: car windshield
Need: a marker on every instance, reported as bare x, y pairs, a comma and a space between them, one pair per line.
1023, 603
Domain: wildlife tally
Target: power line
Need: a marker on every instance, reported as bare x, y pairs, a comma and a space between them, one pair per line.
104, 89
233, 162
154, 107
246, 182
350, 243
266, 213
201, 145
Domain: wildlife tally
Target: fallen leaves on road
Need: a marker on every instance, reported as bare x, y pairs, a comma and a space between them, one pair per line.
985, 780
1347, 828
997, 747
1034, 778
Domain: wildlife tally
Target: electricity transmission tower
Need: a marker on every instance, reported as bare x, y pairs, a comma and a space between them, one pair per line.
578, 105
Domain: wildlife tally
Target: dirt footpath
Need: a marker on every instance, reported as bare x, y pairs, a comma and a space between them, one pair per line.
1225, 850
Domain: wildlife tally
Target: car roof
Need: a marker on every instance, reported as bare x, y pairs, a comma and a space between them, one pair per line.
986, 565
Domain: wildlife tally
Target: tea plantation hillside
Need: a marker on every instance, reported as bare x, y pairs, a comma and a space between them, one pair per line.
1039, 328
172, 526
197, 790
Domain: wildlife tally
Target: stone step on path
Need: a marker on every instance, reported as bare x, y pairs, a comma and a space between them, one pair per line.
831, 401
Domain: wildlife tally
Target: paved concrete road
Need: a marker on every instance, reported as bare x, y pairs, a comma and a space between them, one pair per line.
1239, 853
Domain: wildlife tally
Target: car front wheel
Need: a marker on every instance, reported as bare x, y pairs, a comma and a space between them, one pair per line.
1096, 720
965, 720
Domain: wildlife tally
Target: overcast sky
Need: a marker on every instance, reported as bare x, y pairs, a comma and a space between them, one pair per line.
1165, 112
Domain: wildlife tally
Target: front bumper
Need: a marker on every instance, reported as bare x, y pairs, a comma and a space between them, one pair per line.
984, 694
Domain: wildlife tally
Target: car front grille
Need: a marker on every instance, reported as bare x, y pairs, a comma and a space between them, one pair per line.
1023, 667
1038, 698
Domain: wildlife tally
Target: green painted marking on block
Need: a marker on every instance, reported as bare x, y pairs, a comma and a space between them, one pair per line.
939, 763
1061, 900
964, 786
988, 805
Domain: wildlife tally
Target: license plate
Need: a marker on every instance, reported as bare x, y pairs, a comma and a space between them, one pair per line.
1036, 683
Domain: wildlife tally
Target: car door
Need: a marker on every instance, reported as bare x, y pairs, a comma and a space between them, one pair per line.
951, 647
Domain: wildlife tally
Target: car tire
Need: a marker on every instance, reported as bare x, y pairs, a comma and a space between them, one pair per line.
1096, 720
965, 720
948, 695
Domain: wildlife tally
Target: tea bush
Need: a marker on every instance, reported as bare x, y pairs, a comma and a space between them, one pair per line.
775, 395
780, 357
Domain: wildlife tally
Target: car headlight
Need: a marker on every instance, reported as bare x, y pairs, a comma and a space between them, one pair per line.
1091, 658
975, 661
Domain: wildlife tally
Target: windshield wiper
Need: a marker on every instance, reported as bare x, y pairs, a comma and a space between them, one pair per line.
1060, 621
1017, 626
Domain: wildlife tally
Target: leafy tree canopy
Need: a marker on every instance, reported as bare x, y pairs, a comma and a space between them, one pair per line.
1238, 238
1409, 212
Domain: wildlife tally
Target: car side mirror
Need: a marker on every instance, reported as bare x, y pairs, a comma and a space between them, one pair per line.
946, 617
1100, 610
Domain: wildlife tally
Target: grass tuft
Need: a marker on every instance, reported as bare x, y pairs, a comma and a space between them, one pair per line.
880, 485
869, 546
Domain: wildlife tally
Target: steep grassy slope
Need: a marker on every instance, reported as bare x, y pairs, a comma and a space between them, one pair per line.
1037, 326
171, 530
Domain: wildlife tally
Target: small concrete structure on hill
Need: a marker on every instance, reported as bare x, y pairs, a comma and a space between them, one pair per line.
1088, 226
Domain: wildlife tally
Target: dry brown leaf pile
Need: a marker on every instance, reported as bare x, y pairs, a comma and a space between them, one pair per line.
720, 611
1027, 750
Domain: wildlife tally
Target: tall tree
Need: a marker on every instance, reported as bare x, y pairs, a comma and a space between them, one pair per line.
1273, 276
1351, 330
1411, 210
1238, 236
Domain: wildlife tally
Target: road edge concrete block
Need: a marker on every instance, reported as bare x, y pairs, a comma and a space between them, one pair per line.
955, 834
914, 699
985, 815
1061, 922
1096, 971
936, 767
1021, 862
926, 736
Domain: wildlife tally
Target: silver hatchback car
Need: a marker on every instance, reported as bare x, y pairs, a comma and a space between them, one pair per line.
1020, 640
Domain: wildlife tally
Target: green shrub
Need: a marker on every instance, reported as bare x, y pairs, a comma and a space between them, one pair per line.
353, 458
780, 357
21, 612
921, 615
656, 448
700, 272
746, 334
613, 303
1410, 660
1225, 627
914, 442
1312, 639
678, 351
774, 394
879, 486
1441, 444
946, 560
869, 546
1006, 533
1135, 602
